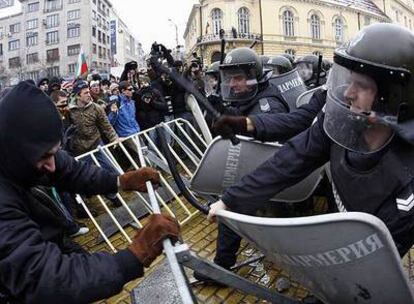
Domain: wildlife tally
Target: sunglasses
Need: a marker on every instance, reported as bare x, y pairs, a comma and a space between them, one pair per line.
130, 89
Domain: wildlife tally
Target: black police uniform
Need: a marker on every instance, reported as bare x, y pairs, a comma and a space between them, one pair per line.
380, 183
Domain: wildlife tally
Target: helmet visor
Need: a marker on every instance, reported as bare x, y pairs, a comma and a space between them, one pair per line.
305, 70
210, 83
357, 115
238, 83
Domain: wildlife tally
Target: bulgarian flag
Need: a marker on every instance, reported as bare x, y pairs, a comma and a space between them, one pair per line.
82, 66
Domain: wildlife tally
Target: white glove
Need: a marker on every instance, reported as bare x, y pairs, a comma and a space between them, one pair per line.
219, 205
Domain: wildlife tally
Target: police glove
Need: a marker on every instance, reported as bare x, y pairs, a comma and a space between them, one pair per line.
147, 243
227, 126
135, 180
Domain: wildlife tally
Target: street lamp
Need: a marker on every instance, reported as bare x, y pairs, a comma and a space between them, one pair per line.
176, 31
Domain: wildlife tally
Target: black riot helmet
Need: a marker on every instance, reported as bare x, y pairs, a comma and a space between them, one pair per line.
211, 78
307, 67
280, 65
240, 75
289, 57
371, 89
264, 59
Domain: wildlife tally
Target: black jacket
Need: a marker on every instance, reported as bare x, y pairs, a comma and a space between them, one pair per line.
33, 265
150, 114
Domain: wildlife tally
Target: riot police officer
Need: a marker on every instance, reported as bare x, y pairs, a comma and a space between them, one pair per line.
246, 86
279, 65
289, 57
308, 68
365, 133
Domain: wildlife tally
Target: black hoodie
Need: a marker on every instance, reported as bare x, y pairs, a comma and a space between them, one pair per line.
29, 127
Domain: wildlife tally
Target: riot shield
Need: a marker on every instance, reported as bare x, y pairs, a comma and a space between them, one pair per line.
224, 164
341, 258
305, 97
199, 118
290, 86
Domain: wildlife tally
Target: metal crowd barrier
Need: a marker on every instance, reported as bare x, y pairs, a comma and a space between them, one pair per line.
186, 145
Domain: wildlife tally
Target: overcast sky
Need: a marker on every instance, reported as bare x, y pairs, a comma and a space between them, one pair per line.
148, 19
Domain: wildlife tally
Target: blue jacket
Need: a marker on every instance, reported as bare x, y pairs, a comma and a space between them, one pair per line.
123, 120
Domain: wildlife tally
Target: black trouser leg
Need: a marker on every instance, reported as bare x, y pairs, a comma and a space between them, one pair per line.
228, 243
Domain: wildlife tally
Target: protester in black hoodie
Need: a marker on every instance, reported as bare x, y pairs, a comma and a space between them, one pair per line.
35, 266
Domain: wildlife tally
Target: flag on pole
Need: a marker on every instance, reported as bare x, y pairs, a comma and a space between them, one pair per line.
82, 66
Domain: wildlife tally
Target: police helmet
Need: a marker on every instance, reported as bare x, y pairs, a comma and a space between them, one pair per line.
280, 65
289, 57
307, 67
371, 89
240, 75
211, 78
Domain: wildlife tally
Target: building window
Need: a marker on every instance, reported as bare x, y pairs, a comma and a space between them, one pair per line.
31, 24
52, 21
14, 62
74, 31
1, 49
52, 55
73, 15
31, 39
291, 52
107, 39
52, 37
103, 39
315, 27
73, 49
72, 68
73, 1
53, 71
288, 24
216, 18
339, 29
33, 7
6, 3
14, 28
93, 31
32, 58
14, 45
244, 23
94, 48
317, 53
53, 5
99, 36
100, 52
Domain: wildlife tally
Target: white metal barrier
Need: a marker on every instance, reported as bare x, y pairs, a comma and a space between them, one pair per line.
187, 147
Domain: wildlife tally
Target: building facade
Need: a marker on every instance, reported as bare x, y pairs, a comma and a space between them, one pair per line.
298, 27
124, 46
46, 37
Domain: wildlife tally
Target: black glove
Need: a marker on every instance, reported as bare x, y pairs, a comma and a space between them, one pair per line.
227, 126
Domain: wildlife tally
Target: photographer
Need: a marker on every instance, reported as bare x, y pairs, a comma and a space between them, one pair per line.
150, 107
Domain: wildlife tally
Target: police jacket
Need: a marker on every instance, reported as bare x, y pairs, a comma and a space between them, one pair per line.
266, 101
34, 266
385, 190
282, 126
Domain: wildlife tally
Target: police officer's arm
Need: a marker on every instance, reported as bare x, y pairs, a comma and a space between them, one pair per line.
280, 127
293, 162
80, 177
35, 271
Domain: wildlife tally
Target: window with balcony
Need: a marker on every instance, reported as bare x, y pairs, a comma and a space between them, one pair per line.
217, 20
74, 14
31, 39
14, 28
52, 21
33, 7
14, 45
14, 63
52, 5
315, 27
74, 31
31, 24
52, 55
288, 24
53, 71
74, 50
339, 29
32, 58
52, 37
244, 22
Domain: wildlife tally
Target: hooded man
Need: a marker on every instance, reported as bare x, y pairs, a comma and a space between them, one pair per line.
36, 266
